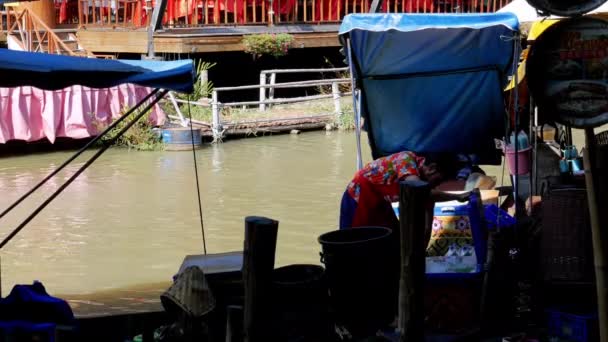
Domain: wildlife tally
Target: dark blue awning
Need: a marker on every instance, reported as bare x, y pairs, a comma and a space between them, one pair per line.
52, 72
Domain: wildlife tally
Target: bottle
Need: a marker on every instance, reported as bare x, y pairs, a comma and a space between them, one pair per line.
512, 140
522, 140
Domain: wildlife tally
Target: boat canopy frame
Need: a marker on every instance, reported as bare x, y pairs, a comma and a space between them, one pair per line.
431, 83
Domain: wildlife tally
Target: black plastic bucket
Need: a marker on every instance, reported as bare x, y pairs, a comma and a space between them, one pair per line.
362, 271
301, 302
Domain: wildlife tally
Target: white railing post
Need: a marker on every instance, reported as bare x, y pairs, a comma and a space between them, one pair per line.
204, 79
273, 78
262, 91
182, 120
216, 125
335, 91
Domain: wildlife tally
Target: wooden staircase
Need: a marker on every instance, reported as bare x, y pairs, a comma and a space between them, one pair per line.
27, 32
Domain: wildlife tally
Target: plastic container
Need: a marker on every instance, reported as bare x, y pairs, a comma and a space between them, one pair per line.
301, 302
181, 138
575, 327
497, 218
362, 273
523, 160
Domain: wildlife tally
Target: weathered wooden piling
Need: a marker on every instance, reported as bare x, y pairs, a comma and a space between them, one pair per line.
414, 200
258, 264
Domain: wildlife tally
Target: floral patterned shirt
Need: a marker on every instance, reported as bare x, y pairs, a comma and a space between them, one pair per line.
383, 174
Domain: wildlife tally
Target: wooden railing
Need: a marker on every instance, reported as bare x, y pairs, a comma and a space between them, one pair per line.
5, 22
34, 35
193, 13
219, 123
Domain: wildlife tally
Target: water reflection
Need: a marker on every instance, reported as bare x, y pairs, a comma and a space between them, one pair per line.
133, 216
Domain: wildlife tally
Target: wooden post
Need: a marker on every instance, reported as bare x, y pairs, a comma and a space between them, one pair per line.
204, 79
262, 91
414, 196
273, 79
335, 91
258, 264
597, 194
234, 323
155, 24
270, 13
216, 125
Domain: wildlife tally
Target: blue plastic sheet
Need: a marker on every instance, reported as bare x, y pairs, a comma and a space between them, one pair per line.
52, 72
433, 83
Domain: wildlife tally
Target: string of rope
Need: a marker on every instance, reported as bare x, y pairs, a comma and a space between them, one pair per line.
198, 188
78, 153
83, 167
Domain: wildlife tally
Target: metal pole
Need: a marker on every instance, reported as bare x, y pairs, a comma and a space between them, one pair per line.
356, 104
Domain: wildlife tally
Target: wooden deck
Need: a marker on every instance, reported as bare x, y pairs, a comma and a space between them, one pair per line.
199, 40
119, 26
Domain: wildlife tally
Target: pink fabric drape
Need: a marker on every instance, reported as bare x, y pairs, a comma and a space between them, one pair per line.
30, 114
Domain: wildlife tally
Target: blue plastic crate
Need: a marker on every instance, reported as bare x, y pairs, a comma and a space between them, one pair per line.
496, 217
574, 327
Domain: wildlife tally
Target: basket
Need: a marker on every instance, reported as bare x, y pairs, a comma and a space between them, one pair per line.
523, 158
574, 327
602, 138
566, 244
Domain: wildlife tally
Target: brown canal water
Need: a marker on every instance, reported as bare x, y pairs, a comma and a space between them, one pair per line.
122, 229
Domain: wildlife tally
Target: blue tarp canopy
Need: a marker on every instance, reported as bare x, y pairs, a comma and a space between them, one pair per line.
432, 83
52, 72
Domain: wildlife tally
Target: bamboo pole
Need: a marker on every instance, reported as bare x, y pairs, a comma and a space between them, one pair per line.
258, 264
413, 199
597, 194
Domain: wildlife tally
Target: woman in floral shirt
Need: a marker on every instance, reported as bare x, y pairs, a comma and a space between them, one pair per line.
368, 197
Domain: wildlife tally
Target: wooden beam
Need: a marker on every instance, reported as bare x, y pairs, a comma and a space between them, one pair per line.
155, 24
414, 198
258, 264
596, 165
113, 41
136, 41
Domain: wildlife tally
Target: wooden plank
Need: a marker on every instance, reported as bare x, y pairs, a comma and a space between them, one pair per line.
135, 41
113, 41
233, 43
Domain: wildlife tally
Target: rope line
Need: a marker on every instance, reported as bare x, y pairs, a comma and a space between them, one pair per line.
198, 188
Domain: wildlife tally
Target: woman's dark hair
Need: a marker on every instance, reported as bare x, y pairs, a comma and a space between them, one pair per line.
446, 163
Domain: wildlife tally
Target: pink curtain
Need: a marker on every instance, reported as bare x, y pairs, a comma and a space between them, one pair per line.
30, 114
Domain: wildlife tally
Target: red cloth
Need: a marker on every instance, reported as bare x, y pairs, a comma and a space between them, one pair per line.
63, 11
283, 6
330, 11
